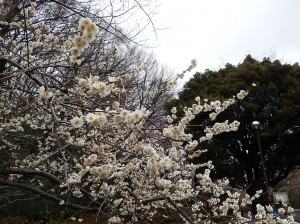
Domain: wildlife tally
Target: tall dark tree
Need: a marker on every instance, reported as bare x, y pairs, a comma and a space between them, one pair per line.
273, 99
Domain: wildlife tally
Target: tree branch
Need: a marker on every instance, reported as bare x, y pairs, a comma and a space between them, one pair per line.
31, 172
45, 194
181, 212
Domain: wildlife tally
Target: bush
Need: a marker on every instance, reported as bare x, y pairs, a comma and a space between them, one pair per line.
41, 217
295, 201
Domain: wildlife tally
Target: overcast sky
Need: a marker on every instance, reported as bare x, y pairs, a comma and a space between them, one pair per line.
216, 32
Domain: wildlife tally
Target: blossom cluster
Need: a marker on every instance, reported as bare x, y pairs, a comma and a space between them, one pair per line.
214, 107
88, 30
44, 93
90, 137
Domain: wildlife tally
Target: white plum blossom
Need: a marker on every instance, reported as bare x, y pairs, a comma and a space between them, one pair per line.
96, 140
242, 94
103, 172
91, 159
165, 163
169, 119
45, 93
137, 115
118, 119
114, 219
149, 150
85, 83
269, 208
290, 210
90, 117
163, 183
174, 110
100, 120
213, 116
77, 122
193, 64
281, 211
180, 75
173, 153
128, 118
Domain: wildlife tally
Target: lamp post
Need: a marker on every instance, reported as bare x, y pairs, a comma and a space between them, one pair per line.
256, 125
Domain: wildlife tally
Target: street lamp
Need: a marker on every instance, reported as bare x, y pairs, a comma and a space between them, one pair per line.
256, 125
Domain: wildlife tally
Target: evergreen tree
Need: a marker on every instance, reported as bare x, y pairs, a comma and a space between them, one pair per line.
273, 100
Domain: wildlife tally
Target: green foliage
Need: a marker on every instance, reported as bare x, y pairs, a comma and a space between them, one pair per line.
294, 201
273, 99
